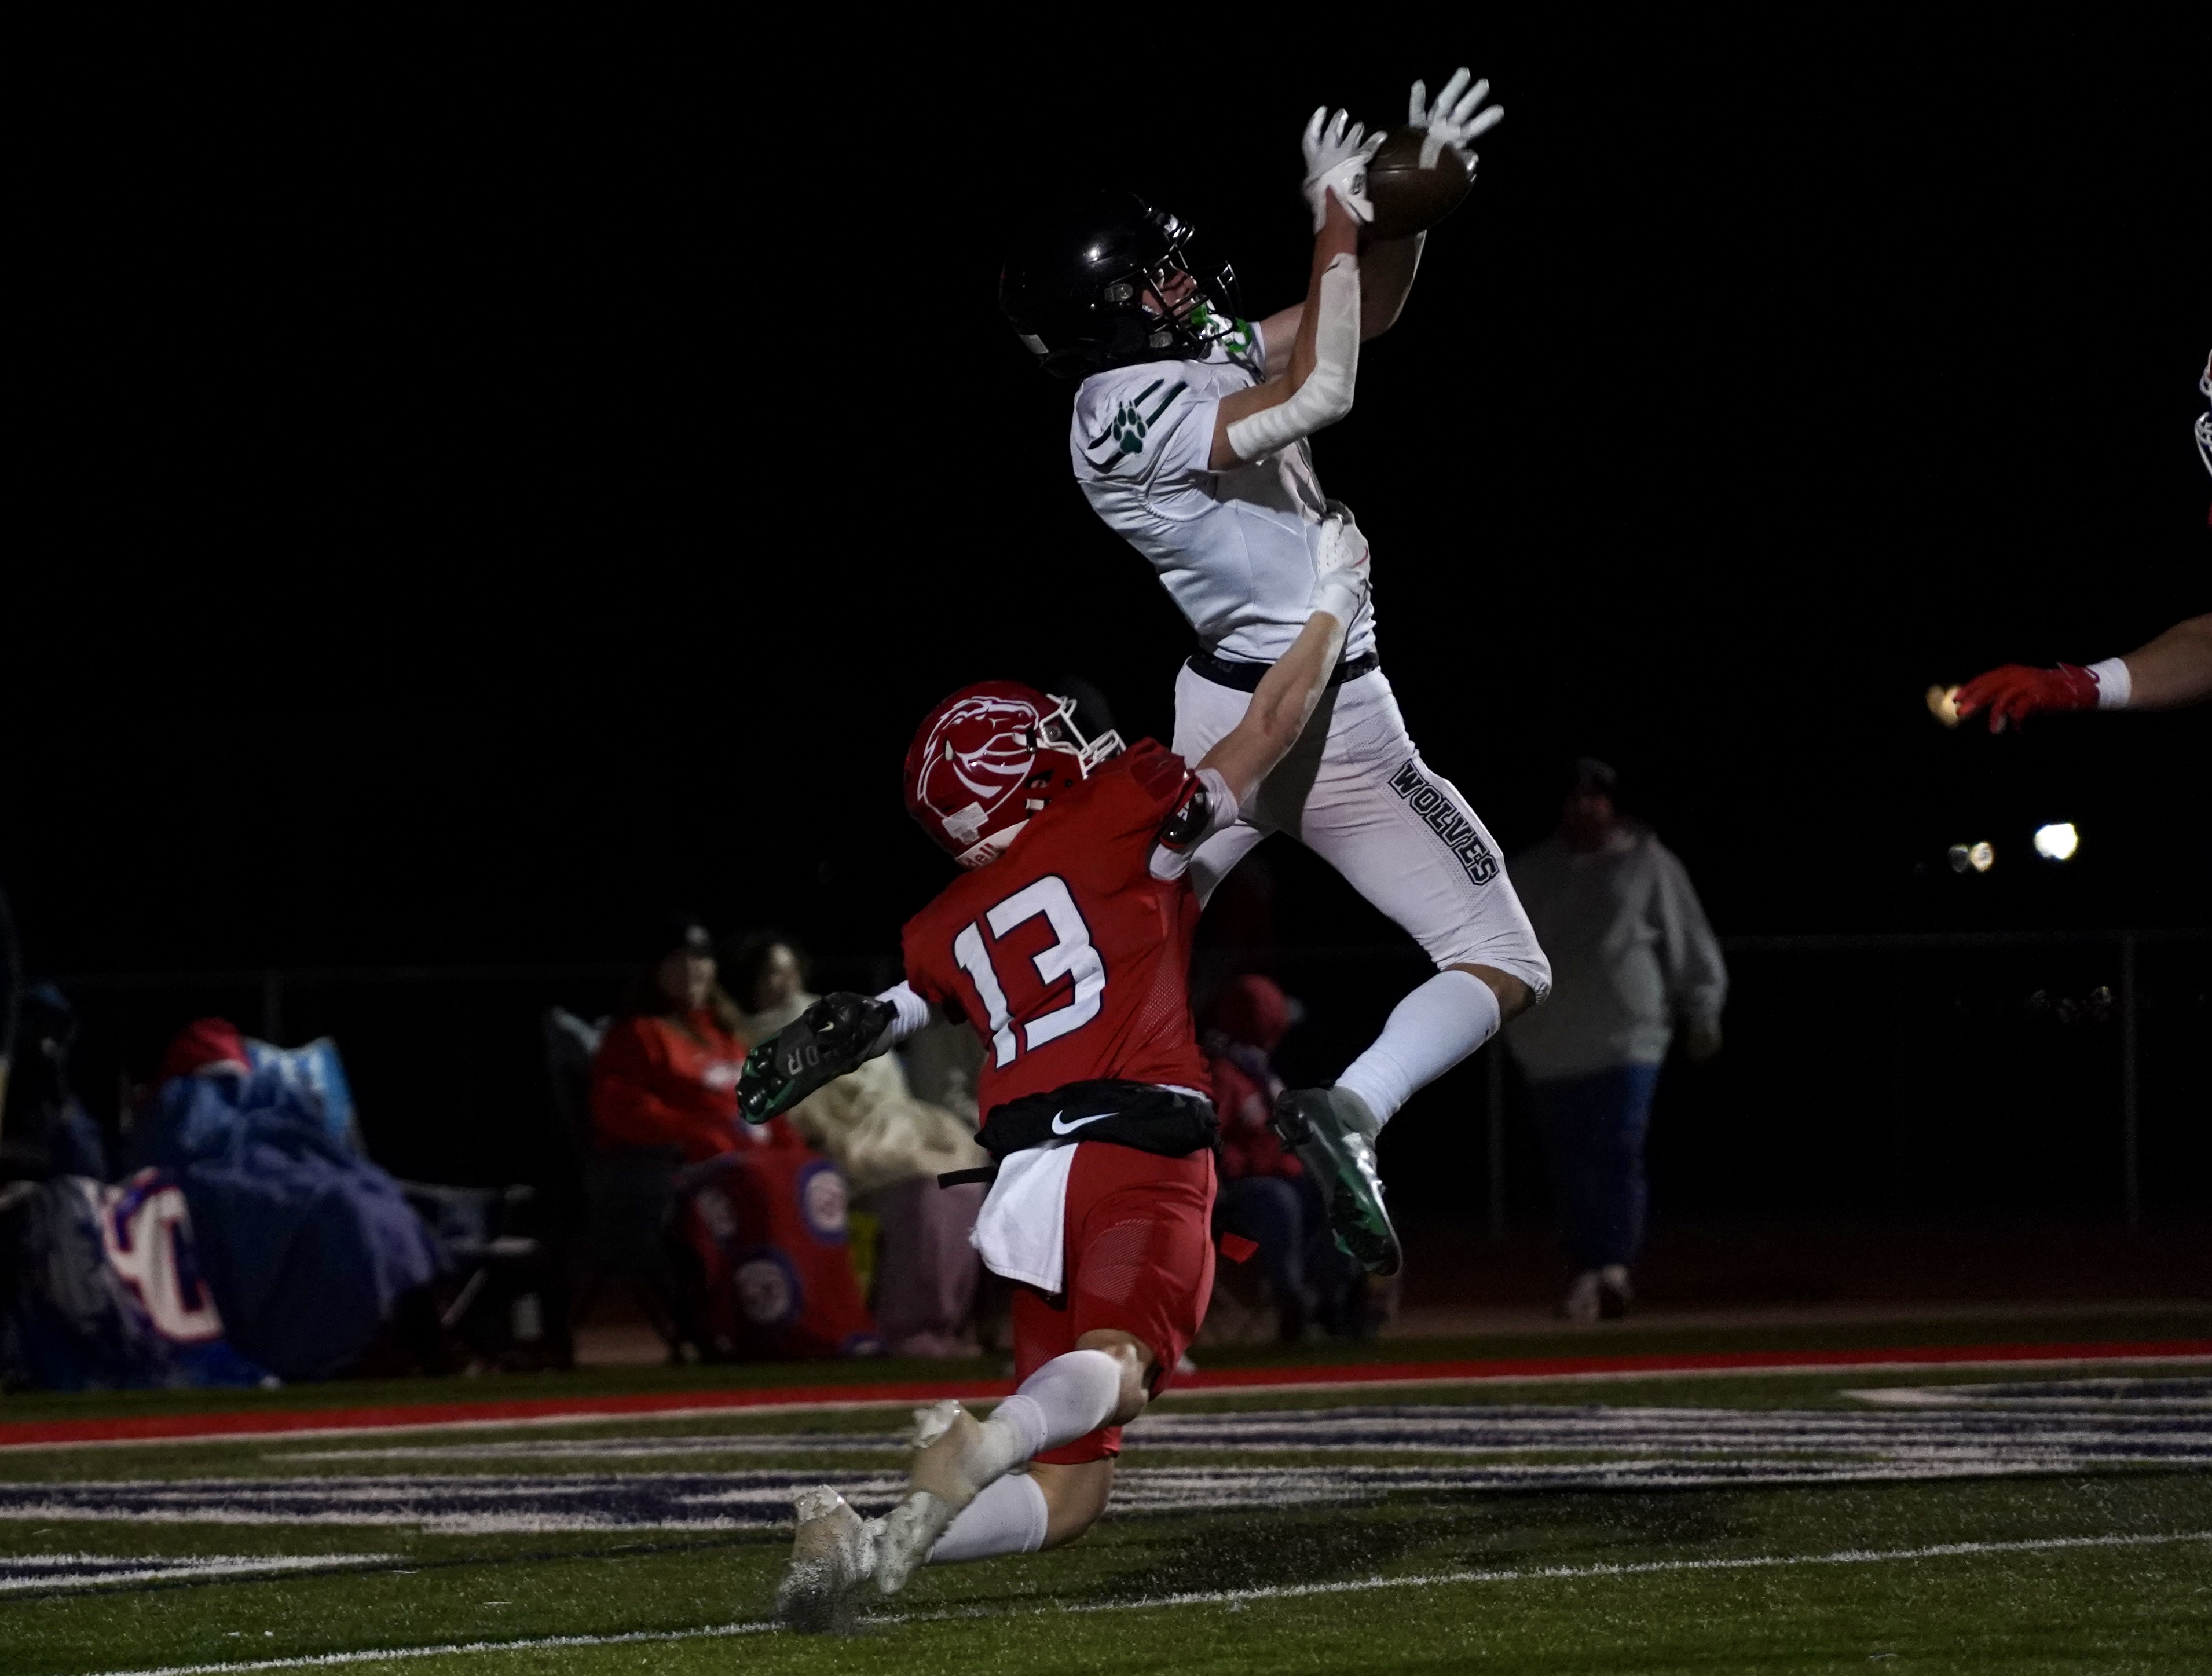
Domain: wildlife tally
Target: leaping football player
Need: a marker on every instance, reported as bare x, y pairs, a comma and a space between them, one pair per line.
1190, 439
1067, 946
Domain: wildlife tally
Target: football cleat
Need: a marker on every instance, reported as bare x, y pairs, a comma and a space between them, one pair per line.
832, 1557
1584, 1302
839, 1033
1323, 1126
1614, 1294
949, 1472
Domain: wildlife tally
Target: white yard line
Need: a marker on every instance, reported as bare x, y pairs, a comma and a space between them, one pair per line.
1223, 1597
52, 1573
845, 1406
1616, 1375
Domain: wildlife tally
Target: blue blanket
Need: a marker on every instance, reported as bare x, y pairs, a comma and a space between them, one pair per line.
304, 1245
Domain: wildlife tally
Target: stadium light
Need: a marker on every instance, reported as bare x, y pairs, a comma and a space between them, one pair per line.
2058, 840
1979, 857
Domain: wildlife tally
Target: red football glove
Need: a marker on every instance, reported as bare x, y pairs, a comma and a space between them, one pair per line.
2015, 692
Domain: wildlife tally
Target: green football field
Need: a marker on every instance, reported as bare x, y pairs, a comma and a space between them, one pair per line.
2018, 1518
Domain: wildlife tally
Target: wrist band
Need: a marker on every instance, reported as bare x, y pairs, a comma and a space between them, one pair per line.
2114, 686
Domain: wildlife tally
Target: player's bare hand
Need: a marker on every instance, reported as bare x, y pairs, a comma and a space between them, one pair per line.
1454, 118
2013, 693
1337, 149
1341, 573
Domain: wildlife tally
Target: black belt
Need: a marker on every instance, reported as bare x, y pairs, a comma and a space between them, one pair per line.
1142, 1116
1245, 677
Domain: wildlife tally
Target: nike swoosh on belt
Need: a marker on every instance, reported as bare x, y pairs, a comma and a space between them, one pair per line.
1061, 1128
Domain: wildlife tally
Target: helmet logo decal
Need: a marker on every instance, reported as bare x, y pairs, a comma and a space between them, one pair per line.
989, 745
989, 758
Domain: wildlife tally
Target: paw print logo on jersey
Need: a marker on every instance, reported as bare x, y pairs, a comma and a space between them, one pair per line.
1129, 428
1125, 432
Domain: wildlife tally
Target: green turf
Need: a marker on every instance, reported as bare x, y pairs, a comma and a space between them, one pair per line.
2147, 1608
2098, 1609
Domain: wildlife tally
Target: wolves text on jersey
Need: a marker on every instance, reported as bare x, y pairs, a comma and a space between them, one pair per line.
1443, 819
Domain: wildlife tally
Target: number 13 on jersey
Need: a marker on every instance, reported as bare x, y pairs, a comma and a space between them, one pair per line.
1071, 955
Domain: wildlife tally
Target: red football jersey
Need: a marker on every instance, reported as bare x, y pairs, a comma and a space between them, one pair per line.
1069, 959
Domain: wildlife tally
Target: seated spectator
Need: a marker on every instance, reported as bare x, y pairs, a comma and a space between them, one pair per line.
892, 1148
666, 1071
763, 1220
1267, 1196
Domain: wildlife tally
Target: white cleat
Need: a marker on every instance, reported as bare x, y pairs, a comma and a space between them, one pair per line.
832, 1556
1582, 1303
949, 1471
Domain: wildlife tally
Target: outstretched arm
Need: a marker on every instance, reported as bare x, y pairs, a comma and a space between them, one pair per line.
1287, 693
2174, 670
1387, 266
1455, 118
1317, 389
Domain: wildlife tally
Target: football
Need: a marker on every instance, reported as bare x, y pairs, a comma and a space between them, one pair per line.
1408, 198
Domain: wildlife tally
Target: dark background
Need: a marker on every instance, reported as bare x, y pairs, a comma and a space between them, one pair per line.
495, 492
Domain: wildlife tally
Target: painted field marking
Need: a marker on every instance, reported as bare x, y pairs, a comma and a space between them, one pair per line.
46, 1574
143, 1430
1501, 1445
1217, 1597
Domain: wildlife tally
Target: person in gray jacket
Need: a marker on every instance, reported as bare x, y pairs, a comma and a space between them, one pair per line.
1631, 954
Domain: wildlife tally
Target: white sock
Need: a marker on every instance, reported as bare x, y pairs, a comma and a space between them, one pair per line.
1007, 1518
1068, 1397
1430, 1031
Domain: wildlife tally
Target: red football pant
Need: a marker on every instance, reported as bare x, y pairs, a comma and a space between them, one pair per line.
1140, 1261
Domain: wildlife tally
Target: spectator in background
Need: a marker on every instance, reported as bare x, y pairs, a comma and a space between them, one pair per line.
666, 1071
765, 1222
1267, 1195
892, 1147
1631, 953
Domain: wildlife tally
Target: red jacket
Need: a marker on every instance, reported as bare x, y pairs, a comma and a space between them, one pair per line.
1243, 1103
659, 1082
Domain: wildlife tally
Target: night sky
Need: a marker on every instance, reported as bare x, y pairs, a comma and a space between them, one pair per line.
497, 504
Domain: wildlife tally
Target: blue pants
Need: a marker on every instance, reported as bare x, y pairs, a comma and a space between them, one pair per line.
1593, 1129
1287, 1219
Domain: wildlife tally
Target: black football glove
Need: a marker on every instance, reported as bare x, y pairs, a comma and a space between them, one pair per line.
839, 1033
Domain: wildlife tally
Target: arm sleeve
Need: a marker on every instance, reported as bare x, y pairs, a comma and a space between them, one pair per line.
1697, 976
1143, 426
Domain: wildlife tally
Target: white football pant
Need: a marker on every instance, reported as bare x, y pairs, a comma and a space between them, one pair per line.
1355, 792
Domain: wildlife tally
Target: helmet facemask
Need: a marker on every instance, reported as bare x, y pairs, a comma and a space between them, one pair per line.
1188, 329
1059, 731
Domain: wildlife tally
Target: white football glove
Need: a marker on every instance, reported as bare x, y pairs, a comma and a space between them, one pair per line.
1340, 570
1453, 119
1336, 162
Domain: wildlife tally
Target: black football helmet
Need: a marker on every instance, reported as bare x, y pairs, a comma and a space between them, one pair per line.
1075, 286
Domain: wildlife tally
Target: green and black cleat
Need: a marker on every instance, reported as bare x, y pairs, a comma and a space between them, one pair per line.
839, 1033
1320, 1125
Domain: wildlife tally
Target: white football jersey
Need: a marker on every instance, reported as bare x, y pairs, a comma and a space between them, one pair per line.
1236, 547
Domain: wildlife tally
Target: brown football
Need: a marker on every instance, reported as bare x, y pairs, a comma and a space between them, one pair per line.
1408, 198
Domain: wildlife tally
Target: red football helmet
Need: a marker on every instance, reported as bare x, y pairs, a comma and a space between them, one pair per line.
989, 757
